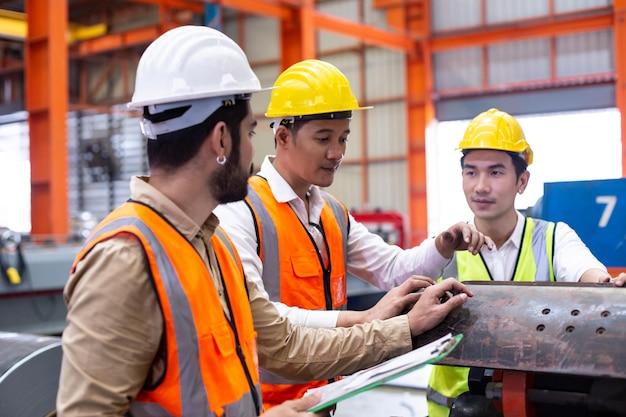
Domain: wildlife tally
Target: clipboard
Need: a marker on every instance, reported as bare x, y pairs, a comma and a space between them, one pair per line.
379, 374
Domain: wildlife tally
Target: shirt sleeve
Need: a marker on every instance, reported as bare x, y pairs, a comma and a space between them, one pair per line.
572, 258
386, 266
236, 219
110, 341
305, 353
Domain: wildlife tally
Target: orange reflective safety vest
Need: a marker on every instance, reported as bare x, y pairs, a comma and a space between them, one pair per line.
210, 365
293, 270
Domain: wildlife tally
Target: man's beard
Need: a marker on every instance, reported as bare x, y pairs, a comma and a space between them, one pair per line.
230, 183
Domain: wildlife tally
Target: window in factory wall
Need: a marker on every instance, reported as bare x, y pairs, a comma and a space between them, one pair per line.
14, 177
567, 147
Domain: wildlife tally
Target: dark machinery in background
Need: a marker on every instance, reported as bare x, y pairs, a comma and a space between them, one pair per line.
32, 278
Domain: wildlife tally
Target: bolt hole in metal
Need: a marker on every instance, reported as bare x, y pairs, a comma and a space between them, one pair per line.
600, 330
575, 312
545, 311
605, 314
541, 328
569, 329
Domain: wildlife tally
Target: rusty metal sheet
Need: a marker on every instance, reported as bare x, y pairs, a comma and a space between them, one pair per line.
564, 328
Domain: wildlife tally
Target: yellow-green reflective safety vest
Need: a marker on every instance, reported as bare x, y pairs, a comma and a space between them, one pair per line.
534, 263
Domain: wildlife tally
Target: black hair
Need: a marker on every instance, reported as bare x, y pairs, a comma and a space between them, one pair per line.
173, 150
519, 163
295, 126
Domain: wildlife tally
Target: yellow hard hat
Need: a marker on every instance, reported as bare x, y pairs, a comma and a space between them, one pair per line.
495, 129
312, 87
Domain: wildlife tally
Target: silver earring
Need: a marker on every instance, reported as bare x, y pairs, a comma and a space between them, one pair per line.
221, 160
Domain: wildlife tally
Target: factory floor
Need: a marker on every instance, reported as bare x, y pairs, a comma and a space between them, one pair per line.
402, 397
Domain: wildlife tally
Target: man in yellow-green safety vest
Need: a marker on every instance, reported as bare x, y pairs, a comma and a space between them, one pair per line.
494, 166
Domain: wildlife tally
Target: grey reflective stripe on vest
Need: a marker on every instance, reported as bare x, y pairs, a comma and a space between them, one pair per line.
540, 251
341, 218
438, 398
271, 263
238, 408
222, 237
194, 398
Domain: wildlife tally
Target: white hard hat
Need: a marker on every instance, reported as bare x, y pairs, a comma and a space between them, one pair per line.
190, 66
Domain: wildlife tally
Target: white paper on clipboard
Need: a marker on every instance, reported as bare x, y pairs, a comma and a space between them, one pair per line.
383, 372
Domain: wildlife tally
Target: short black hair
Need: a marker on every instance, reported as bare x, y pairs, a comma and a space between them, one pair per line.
173, 150
519, 163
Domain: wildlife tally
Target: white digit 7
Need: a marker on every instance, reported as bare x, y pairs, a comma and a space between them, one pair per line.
610, 201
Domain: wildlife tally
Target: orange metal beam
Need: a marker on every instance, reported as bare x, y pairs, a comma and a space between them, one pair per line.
538, 29
259, 7
416, 17
46, 72
367, 34
193, 6
620, 70
118, 40
298, 37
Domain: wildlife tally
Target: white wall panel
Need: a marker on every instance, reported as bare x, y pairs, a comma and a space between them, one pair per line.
373, 16
261, 38
354, 149
388, 186
561, 6
385, 73
454, 14
347, 186
386, 130
500, 11
460, 68
344, 9
519, 61
585, 53
267, 75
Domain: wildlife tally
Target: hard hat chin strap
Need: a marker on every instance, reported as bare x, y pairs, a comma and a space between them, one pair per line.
307, 117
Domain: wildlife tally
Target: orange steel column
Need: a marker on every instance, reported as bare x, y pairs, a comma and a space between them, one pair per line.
414, 18
298, 35
46, 75
419, 114
620, 70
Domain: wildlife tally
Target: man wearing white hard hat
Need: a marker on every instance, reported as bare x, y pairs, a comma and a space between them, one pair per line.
161, 319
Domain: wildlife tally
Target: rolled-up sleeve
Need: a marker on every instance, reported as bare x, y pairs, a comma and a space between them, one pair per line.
113, 331
304, 353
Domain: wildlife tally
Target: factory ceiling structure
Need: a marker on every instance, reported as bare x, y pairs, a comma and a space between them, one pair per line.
61, 55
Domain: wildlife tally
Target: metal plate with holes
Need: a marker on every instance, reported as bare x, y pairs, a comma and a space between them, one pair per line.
566, 328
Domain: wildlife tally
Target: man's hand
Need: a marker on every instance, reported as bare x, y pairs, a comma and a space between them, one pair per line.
619, 280
435, 303
461, 236
296, 408
397, 301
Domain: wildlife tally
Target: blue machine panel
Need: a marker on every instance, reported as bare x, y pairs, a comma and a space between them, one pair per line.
596, 210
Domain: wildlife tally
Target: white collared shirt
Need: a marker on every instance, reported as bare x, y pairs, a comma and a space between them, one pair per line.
369, 256
571, 256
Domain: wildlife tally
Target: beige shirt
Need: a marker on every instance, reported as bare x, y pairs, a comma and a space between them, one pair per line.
114, 325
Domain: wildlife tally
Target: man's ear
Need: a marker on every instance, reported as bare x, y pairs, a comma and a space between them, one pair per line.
219, 140
282, 136
522, 183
